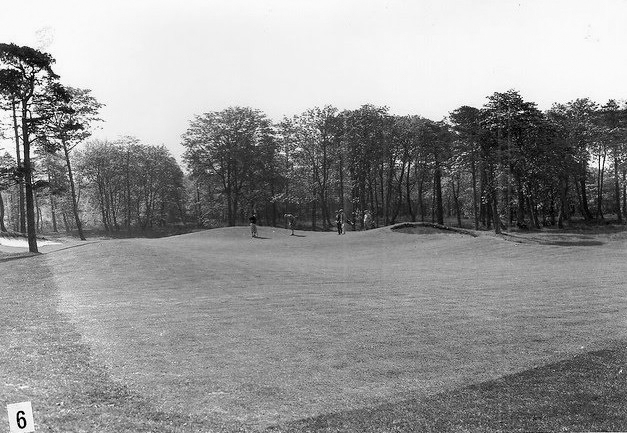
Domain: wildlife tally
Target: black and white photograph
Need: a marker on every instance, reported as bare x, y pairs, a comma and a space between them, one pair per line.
286, 216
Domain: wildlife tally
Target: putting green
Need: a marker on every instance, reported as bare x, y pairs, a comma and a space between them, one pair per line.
264, 331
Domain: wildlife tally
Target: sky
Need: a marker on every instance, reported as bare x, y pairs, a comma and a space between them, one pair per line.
155, 64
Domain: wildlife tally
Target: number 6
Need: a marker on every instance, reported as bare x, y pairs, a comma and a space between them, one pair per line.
21, 421
20, 417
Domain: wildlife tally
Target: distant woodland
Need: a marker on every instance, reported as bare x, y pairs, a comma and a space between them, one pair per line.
503, 165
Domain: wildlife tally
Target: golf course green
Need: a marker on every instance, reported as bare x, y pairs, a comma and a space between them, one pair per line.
216, 331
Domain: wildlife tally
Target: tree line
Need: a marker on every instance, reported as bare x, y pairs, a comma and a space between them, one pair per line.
121, 185
505, 164
501, 165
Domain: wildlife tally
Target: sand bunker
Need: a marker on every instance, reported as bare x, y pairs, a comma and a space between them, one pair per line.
23, 242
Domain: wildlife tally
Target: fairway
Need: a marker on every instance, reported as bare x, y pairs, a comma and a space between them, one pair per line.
219, 329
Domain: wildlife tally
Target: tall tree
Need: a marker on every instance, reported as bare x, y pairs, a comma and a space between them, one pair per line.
514, 124
69, 114
7, 179
32, 69
613, 134
224, 146
466, 124
9, 89
315, 134
576, 124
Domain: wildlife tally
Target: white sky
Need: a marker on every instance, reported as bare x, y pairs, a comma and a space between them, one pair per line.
157, 63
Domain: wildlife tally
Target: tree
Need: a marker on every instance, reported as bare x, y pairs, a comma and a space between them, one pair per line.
613, 135
9, 89
315, 134
69, 113
466, 124
132, 185
224, 147
575, 123
436, 140
7, 178
513, 124
363, 138
31, 70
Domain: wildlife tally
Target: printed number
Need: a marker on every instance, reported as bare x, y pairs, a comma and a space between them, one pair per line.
21, 421
20, 417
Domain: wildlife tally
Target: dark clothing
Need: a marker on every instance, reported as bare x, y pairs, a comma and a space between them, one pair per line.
339, 221
253, 219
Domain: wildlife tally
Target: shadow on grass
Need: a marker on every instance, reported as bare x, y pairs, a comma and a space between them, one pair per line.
420, 228
583, 393
575, 243
14, 256
581, 241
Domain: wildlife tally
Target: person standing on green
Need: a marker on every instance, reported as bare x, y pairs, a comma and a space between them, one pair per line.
291, 222
339, 221
253, 225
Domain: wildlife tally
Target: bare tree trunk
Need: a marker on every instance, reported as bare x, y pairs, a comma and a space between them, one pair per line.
601, 171
341, 179
562, 203
114, 219
619, 215
421, 203
15, 209
475, 208
103, 205
533, 211
624, 192
21, 208
70, 176
494, 195
374, 200
520, 210
199, 219
585, 211
408, 193
53, 207
313, 215
2, 226
437, 185
38, 222
66, 223
28, 179
458, 210
129, 213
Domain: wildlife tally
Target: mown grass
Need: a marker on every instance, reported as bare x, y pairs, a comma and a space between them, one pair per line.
43, 359
218, 332
583, 393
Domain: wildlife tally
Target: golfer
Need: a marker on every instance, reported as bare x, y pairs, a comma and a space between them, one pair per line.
253, 225
291, 222
339, 221
367, 220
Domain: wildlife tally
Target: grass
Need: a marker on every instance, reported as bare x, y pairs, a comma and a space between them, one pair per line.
46, 361
215, 331
584, 393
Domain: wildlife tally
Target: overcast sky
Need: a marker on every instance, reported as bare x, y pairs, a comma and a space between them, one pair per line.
157, 63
